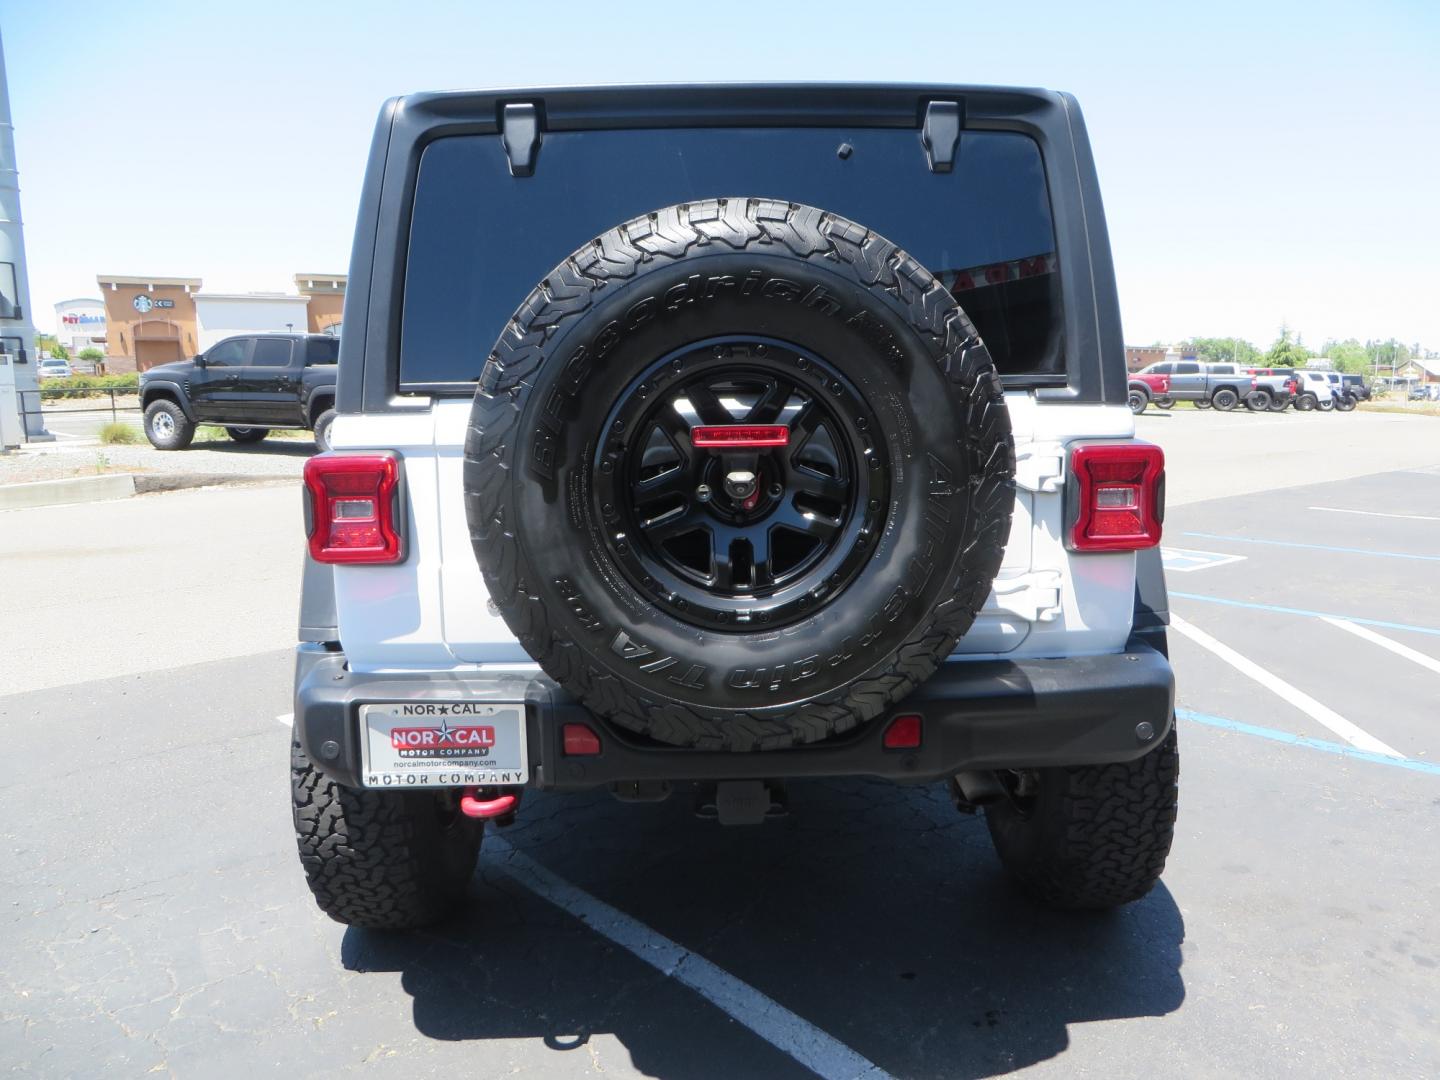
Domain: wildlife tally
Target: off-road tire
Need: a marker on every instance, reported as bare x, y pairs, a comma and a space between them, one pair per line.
247, 434
176, 433
1279, 404
1095, 836
1327, 405
1307, 402
322, 429
1166, 403
1225, 399
607, 311
1345, 403
384, 860
1137, 401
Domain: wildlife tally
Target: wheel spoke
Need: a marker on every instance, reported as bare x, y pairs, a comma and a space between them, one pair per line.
806, 521
817, 485
770, 405
677, 522
707, 406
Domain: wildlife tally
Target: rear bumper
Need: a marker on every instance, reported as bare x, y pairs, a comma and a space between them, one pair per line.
977, 715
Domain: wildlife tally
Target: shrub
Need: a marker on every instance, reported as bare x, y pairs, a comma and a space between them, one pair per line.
87, 386
117, 431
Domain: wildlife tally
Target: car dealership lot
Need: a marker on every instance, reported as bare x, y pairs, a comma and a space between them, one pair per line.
154, 917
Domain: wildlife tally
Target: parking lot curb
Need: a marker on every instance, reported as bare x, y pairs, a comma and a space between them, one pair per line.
75, 489
82, 489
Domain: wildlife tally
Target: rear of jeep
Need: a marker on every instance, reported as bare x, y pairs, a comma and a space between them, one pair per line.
710, 438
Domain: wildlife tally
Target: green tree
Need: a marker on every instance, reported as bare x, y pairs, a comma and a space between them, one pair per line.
1224, 350
90, 354
1349, 355
1387, 353
1287, 352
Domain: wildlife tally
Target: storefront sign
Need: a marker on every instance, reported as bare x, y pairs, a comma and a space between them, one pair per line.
82, 320
143, 303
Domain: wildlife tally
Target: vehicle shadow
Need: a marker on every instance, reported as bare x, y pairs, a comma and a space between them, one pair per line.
877, 913
266, 447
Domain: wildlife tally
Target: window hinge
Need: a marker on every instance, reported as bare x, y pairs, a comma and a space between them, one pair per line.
520, 134
1040, 467
1034, 597
940, 134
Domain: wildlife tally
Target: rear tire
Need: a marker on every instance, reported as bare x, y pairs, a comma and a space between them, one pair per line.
1090, 836
1328, 405
167, 427
322, 429
1259, 401
247, 434
1306, 402
1164, 403
1278, 404
1138, 400
1202, 404
385, 860
1225, 399
1345, 403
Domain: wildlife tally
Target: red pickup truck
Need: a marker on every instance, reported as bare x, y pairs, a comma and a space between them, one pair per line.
1147, 389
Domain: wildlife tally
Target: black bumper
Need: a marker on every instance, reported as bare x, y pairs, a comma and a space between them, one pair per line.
977, 715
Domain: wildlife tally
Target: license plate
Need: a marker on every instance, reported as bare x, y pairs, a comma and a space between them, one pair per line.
443, 744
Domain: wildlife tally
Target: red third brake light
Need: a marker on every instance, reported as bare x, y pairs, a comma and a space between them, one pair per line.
740, 436
351, 508
1119, 493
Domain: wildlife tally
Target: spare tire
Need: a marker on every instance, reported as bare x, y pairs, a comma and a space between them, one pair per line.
739, 474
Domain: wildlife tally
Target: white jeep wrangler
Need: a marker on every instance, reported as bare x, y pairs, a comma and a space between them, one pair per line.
809, 455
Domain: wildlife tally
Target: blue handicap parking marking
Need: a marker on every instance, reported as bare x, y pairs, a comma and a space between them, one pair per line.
1184, 560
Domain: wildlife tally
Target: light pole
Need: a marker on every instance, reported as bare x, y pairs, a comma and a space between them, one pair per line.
15, 321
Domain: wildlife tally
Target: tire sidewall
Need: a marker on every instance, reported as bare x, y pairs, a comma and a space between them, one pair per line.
568, 568
179, 435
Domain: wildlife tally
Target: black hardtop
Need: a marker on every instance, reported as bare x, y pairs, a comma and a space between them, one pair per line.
1093, 350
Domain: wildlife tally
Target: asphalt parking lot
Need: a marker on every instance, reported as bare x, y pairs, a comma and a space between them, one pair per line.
154, 919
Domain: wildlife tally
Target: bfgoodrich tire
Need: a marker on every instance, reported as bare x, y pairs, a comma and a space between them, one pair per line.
386, 860
766, 598
1091, 836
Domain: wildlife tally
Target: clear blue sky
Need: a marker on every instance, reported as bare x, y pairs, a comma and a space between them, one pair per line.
1260, 161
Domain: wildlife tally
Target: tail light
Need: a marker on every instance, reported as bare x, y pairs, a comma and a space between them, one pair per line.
1118, 498
1254, 384
352, 508
739, 436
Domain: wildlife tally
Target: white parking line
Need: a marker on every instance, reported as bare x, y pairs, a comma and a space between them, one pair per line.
1373, 513
286, 718
791, 1034
1321, 714
1428, 662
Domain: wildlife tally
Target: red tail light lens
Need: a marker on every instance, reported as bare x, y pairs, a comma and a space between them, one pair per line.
1118, 500
352, 508
579, 740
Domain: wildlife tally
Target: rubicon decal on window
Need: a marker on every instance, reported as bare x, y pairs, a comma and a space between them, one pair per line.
979, 277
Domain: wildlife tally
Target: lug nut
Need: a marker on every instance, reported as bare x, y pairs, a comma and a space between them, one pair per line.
776, 491
703, 492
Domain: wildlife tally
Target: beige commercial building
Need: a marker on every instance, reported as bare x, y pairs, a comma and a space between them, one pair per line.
154, 320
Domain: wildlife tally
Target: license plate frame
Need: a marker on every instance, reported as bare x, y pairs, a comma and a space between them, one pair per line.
443, 744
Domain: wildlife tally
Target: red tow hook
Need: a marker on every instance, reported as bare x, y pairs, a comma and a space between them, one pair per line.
471, 805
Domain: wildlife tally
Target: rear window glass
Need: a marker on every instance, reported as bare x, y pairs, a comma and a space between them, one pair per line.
480, 239
270, 352
325, 350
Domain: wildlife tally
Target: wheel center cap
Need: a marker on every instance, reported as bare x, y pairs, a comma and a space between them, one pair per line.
740, 484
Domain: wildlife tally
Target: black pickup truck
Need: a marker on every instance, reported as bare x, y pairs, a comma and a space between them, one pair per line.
249, 385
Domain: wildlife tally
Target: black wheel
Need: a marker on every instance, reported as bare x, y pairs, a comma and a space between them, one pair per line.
783, 449
1090, 836
1278, 404
247, 434
1306, 402
1345, 403
322, 428
1202, 404
1225, 399
167, 427
1138, 400
1259, 401
1164, 403
387, 860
